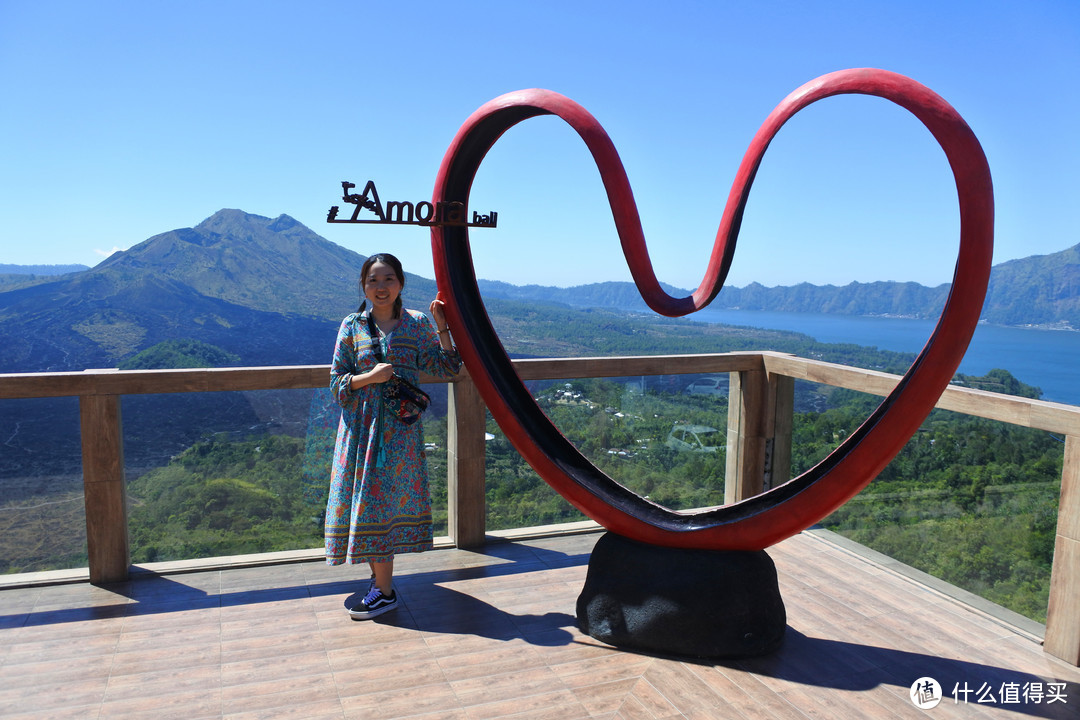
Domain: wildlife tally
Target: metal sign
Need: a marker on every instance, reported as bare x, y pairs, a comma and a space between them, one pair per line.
442, 214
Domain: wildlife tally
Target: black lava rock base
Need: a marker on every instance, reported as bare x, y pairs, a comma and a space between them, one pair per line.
696, 603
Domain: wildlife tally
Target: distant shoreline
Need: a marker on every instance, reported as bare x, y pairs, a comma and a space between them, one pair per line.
1046, 326
1056, 325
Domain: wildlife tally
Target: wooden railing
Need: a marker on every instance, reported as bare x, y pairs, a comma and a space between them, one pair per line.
759, 441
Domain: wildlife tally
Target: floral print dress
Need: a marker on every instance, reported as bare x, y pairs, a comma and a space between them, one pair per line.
380, 507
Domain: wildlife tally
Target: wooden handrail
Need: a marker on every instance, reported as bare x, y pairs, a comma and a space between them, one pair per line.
759, 439
1025, 412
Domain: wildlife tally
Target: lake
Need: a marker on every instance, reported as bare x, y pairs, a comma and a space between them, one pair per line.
1043, 358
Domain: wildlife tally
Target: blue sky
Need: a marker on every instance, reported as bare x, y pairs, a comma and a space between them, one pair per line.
122, 120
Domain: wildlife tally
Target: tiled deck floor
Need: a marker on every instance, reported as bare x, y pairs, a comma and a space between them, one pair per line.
492, 634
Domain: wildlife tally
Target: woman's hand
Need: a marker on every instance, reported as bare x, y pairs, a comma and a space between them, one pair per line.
379, 374
438, 312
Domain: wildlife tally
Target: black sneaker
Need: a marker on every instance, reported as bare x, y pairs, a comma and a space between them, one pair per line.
373, 605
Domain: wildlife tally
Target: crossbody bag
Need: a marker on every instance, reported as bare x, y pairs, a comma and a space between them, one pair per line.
402, 399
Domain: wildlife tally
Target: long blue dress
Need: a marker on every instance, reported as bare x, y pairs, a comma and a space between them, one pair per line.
375, 511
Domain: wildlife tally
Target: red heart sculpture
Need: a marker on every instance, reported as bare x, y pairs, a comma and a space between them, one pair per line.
757, 522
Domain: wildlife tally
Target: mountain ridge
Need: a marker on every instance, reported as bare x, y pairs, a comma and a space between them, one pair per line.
309, 275
1040, 290
269, 290
283, 265
47, 270
272, 291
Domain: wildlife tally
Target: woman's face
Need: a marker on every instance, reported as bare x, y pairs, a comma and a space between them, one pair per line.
381, 286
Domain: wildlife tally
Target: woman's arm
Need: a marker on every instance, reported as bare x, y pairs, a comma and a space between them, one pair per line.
438, 355
345, 376
378, 374
438, 312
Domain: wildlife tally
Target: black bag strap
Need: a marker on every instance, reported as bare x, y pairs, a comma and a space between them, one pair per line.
376, 346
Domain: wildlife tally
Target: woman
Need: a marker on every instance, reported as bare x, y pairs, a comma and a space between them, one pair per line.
379, 503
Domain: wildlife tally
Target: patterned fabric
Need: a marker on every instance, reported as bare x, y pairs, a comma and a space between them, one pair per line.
375, 512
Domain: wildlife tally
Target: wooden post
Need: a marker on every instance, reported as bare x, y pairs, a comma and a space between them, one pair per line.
778, 423
465, 455
104, 488
1063, 612
760, 408
734, 445
745, 468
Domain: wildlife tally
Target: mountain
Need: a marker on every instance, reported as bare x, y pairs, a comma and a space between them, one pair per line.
40, 269
878, 298
614, 295
277, 265
907, 299
270, 291
17, 276
1038, 290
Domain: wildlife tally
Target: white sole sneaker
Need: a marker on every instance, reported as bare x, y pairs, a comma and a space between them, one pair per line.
379, 605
